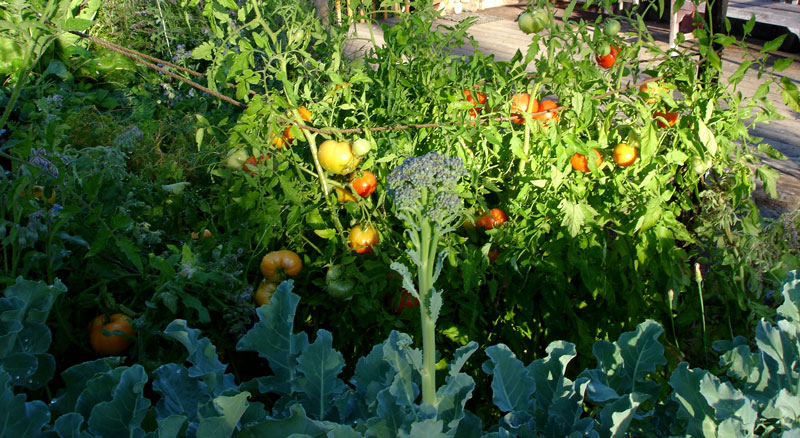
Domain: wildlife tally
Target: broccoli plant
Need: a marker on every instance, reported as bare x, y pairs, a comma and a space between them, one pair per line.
424, 191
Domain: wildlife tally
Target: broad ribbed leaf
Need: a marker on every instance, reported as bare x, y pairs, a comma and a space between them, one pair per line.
202, 354
296, 423
548, 373
75, 379
171, 426
393, 414
511, 385
19, 418
37, 299
123, 414
623, 366
728, 402
372, 375
616, 417
685, 383
320, 366
779, 352
69, 426
784, 408
429, 428
230, 410
790, 289
452, 396
180, 393
272, 338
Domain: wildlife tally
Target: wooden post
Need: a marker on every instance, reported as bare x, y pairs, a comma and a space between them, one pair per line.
338, 8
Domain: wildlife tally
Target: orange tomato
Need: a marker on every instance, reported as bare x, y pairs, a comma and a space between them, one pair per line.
624, 154
492, 219
581, 164
478, 101
550, 115
109, 343
672, 118
522, 102
363, 239
305, 114
279, 264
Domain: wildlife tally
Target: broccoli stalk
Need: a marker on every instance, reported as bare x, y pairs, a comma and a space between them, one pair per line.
424, 191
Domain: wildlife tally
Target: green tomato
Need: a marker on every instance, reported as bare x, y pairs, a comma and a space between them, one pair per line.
611, 28
699, 166
603, 49
337, 285
237, 158
361, 147
530, 22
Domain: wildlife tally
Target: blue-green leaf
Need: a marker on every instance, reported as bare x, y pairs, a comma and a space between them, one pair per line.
123, 414
272, 338
69, 426
19, 418
452, 397
404, 385
180, 393
202, 354
296, 423
616, 417
685, 383
511, 385
75, 379
230, 410
320, 366
372, 375
460, 357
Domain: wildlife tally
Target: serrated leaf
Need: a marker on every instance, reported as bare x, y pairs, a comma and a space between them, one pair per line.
123, 414
461, 356
435, 304
790, 94
769, 179
320, 366
782, 64
771, 46
130, 250
512, 387
573, 216
403, 388
202, 354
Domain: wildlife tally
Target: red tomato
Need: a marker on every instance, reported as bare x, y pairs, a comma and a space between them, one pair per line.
365, 184
550, 115
106, 343
363, 239
608, 60
519, 102
672, 118
407, 301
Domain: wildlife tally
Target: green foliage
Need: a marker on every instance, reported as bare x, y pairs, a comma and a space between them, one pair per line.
624, 394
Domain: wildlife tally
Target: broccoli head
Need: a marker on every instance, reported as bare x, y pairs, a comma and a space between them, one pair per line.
428, 186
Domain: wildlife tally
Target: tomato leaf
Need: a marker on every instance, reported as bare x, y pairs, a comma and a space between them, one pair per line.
773, 45
769, 177
573, 216
707, 138
782, 64
131, 252
790, 94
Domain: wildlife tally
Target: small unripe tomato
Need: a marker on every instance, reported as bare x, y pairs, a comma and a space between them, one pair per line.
365, 184
110, 343
361, 147
236, 159
363, 239
611, 28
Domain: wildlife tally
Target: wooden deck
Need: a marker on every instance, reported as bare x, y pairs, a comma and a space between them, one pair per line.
499, 35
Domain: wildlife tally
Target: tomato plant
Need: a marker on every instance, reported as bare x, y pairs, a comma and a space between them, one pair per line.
338, 283
337, 157
478, 101
491, 219
546, 105
581, 164
624, 154
362, 239
364, 184
277, 265
607, 61
110, 336
652, 91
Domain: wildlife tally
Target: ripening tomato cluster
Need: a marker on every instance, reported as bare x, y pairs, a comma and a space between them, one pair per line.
276, 266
